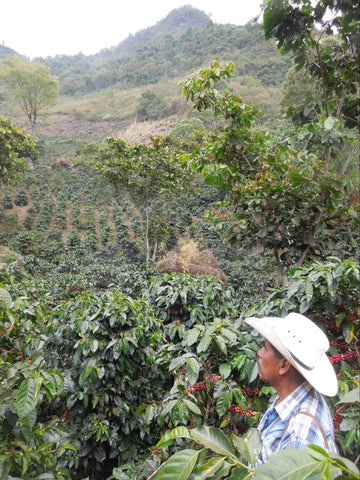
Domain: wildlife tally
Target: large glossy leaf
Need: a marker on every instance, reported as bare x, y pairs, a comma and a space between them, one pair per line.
318, 453
350, 397
27, 397
5, 297
214, 439
177, 363
223, 472
192, 406
170, 435
204, 343
224, 400
208, 469
179, 466
292, 464
241, 473
192, 370
225, 370
248, 446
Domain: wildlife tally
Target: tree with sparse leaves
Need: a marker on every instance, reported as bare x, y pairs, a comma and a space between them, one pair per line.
30, 85
152, 174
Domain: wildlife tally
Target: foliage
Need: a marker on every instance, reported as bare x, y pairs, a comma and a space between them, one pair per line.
235, 457
168, 50
105, 346
30, 85
15, 146
323, 38
276, 195
29, 447
127, 377
152, 174
104, 355
178, 298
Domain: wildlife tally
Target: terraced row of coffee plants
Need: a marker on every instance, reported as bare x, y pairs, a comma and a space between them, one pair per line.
71, 207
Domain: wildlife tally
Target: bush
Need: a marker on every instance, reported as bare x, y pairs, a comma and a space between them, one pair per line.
105, 345
21, 198
7, 202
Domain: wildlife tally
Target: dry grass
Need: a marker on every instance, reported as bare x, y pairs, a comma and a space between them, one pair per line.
190, 260
139, 132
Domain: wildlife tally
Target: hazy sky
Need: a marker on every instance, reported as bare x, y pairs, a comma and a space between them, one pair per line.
47, 27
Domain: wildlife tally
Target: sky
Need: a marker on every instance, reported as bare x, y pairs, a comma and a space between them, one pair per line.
41, 28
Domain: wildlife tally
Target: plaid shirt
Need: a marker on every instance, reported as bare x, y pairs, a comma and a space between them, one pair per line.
301, 430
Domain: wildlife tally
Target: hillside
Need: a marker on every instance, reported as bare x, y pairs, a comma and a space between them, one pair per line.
130, 91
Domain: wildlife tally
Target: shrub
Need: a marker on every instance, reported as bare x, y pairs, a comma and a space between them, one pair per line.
105, 344
21, 198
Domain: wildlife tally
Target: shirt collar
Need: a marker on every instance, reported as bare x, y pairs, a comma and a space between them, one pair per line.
286, 407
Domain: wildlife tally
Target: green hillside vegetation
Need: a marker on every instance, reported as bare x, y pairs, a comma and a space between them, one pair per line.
111, 84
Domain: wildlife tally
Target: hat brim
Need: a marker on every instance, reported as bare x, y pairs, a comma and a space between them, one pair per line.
322, 377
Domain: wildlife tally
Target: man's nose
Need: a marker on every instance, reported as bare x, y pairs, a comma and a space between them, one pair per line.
259, 353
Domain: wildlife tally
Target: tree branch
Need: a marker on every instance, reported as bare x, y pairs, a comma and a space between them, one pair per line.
350, 157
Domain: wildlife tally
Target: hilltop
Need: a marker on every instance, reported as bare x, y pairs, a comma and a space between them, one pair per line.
137, 80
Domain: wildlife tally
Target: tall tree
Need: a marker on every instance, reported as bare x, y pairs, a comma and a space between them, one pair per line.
324, 40
276, 196
30, 85
15, 147
152, 174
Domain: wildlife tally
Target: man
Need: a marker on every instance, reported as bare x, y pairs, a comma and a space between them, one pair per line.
293, 360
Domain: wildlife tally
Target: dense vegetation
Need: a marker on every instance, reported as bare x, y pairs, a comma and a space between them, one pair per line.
126, 276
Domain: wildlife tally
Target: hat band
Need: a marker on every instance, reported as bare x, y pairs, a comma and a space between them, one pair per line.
300, 362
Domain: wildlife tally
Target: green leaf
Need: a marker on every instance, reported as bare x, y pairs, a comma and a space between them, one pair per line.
350, 397
214, 439
224, 400
170, 435
177, 363
192, 406
84, 325
149, 413
221, 344
342, 461
330, 122
248, 446
241, 473
309, 290
225, 370
179, 466
119, 474
192, 370
94, 345
208, 469
349, 424
27, 397
5, 298
168, 407
204, 343
290, 464
192, 336
223, 472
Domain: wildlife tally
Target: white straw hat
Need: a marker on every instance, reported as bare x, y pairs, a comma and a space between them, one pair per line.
304, 345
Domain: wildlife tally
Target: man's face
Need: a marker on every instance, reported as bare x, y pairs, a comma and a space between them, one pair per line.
269, 363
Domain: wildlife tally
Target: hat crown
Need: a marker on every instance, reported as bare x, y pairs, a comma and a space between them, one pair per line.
304, 340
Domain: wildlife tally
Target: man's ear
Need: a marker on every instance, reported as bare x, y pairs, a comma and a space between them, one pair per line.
285, 366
